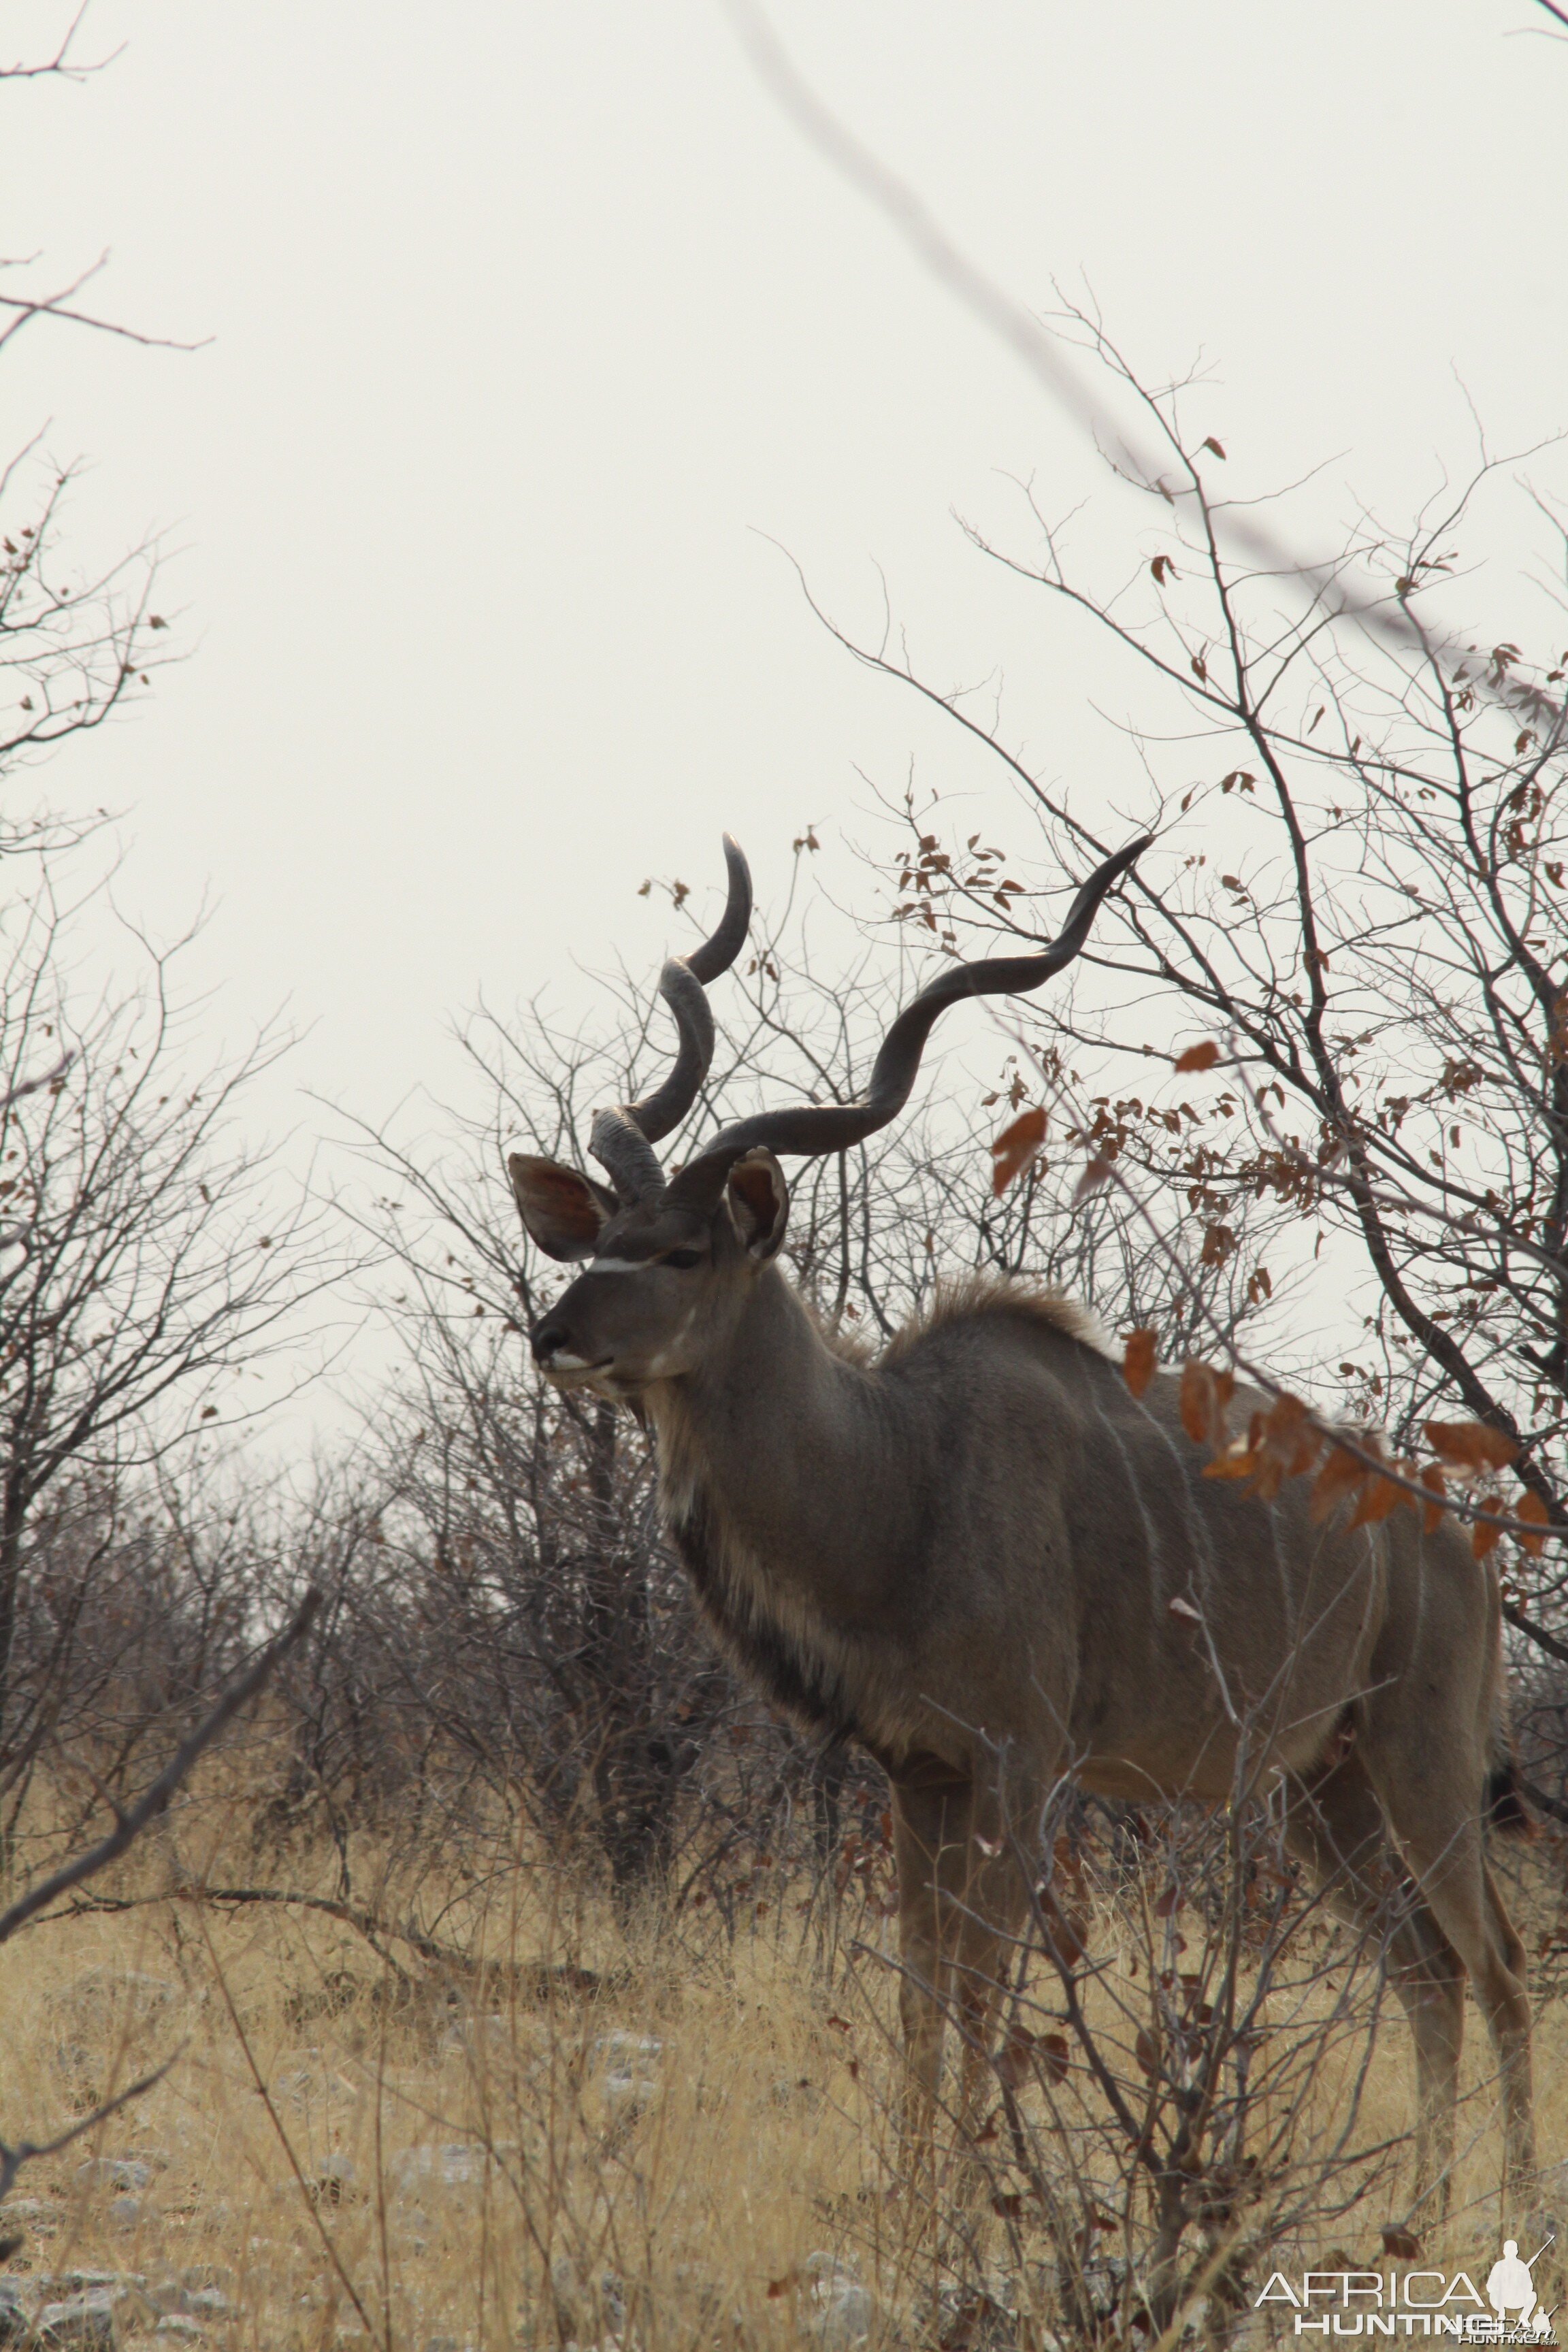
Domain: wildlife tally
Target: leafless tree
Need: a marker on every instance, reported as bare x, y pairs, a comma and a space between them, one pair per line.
38, 1899
1357, 893
74, 646
149, 1256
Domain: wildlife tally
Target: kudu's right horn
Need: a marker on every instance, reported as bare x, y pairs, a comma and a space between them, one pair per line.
621, 1141
814, 1129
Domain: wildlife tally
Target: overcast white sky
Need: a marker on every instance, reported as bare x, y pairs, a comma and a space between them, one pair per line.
534, 326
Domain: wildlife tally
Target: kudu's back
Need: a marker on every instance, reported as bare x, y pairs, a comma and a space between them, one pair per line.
1092, 1597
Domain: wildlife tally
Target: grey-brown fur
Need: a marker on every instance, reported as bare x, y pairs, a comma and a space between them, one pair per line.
967, 1555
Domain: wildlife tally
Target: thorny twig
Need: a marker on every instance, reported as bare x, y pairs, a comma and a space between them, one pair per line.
128, 1828
130, 1825
26, 2151
1333, 1432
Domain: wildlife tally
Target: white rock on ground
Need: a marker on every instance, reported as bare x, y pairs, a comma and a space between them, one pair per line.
131, 2172
454, 2165
84, 2322
121, 1989
623, 2053
836, 2309
334, 2179
627, 2095
587, 2311
626, 2059
13, 2312
205, 2303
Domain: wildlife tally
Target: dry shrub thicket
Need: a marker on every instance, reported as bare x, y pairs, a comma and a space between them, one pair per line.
514, 1977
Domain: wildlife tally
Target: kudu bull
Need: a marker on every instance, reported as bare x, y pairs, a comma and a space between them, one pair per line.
968, 1551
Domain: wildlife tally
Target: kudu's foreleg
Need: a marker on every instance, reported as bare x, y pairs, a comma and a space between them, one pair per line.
932, 1812
1336, 1825
960, 1894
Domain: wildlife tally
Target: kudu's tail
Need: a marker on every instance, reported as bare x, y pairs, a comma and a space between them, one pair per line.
1506, 1810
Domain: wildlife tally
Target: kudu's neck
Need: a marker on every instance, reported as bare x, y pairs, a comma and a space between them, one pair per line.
804, 1454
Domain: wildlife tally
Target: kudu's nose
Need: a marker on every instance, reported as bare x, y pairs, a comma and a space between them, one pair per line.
545, 1337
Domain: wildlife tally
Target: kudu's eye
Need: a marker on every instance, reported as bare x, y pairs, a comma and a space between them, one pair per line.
682, 1259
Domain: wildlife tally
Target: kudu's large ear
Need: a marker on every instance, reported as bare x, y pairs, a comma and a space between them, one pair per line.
564, 1211
759, 1202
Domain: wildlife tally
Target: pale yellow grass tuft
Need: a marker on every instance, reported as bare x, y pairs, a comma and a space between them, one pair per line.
678, 2158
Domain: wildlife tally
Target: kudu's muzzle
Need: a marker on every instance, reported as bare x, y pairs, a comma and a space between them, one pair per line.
551, 1340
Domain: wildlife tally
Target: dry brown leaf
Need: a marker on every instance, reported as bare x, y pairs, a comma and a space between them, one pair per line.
1054, 2055
1339, 1477
1269, 1477
1195, 1400
1284, 1443
1205, 1396
1483, 1538
1471, 1445
1138, 1361
1237, 1461
1377, 1499
1436, 1486
1199, 1057
1530, 1506
1015, 1147
1067, 1935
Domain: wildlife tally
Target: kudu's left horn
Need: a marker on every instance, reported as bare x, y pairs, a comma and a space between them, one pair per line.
815, 1129
621, 1141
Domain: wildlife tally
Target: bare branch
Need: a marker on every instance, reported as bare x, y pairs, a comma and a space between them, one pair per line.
61, 62
27, 2151
1042, 352
32, 1085
152, 1801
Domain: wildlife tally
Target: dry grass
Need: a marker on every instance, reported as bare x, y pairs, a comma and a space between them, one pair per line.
658, 2160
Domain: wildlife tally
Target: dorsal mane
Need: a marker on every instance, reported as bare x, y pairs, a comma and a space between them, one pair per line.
972, 1298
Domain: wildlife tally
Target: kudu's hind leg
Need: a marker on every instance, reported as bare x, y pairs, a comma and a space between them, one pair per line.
993, 1910
1336, 1825
1431, 1791
1504, 1993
